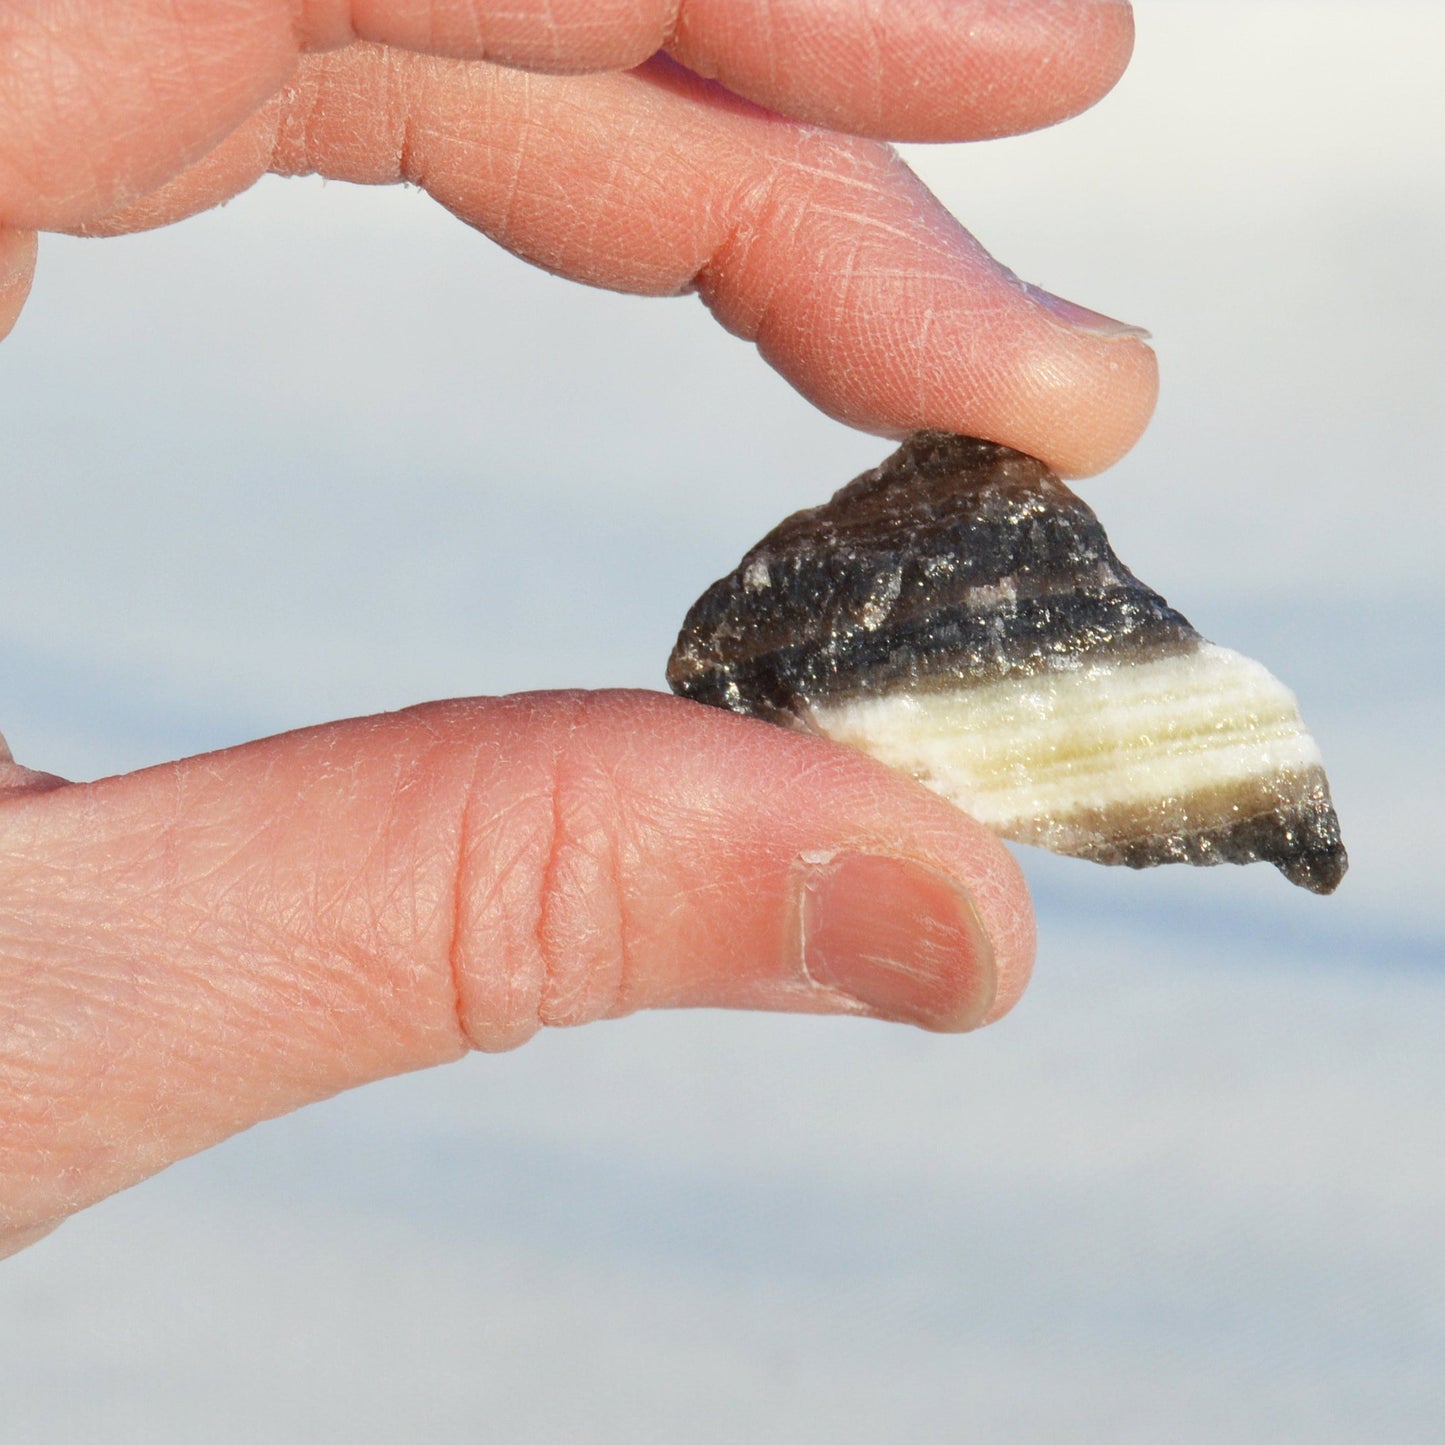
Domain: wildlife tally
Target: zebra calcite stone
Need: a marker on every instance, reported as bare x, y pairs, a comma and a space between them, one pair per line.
958, 613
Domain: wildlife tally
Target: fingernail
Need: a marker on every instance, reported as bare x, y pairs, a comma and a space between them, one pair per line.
898, 936
6, 756
1074, 316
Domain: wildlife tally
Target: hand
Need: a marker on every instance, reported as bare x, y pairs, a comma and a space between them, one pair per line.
187, 950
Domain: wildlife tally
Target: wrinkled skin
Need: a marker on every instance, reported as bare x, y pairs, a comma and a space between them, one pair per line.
190, 949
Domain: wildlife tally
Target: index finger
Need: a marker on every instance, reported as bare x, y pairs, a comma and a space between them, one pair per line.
825, 250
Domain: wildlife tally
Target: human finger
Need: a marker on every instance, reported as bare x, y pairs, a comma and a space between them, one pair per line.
190, 949
823, 249
911, 70
102, 103
908, 70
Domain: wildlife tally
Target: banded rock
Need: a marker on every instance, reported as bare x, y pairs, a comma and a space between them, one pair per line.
958, 613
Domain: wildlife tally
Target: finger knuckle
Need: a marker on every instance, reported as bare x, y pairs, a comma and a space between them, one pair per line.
541, 935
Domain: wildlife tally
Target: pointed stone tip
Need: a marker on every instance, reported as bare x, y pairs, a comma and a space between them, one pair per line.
1320, 868
1320, 876
1305, 844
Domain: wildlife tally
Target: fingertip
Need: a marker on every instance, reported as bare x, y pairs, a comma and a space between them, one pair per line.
929, 919
1106, 34
879, 307
1004, 903
970, 70
814, 878
1078, 407
1131, 381
1077, 401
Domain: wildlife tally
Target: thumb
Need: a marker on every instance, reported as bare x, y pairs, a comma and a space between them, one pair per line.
190, 949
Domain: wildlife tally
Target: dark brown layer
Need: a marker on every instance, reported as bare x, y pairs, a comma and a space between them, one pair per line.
956, 560
1284, 818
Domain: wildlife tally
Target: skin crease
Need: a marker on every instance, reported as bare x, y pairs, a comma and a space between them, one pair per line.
189, 949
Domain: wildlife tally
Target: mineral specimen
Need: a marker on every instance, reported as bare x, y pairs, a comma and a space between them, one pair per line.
958, 613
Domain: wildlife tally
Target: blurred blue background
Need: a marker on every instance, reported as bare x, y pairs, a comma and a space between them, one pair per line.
263, 469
